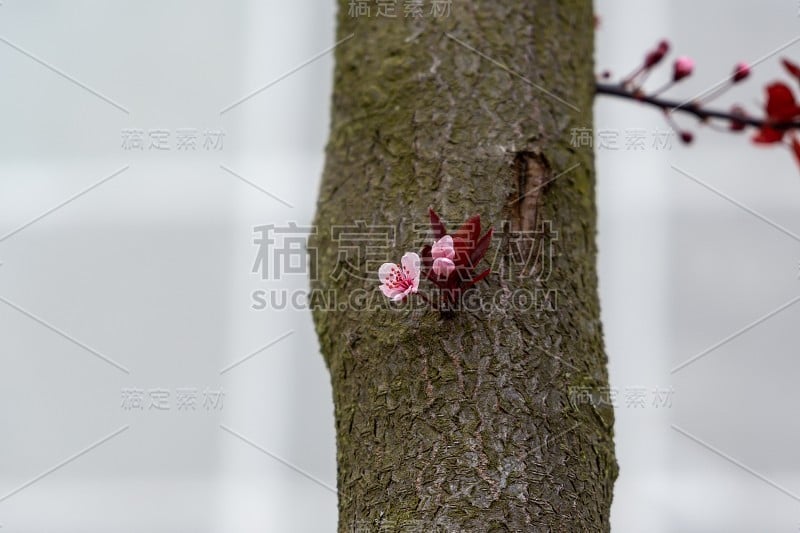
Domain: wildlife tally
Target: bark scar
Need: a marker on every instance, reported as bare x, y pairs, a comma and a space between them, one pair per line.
532, 174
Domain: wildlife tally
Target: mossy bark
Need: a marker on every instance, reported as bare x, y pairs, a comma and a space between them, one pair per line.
466, 423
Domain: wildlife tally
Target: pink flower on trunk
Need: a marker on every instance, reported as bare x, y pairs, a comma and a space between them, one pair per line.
443, 254
397, 282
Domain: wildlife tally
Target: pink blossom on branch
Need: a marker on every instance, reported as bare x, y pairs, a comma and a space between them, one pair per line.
398, 281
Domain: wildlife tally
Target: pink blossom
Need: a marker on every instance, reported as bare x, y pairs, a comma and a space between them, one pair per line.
397, 282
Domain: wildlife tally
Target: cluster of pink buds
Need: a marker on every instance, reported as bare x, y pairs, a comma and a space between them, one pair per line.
450, 263
779, 124
682, 67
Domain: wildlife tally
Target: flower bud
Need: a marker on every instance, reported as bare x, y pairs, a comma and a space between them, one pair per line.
741, 71
443, 266
737, 111
683, 67
654, 57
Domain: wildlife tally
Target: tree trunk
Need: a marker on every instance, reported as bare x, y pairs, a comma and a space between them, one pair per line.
466, 423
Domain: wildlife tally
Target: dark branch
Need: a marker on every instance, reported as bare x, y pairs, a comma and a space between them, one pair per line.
669, 106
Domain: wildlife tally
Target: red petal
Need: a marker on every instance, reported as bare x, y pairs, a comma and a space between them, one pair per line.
437, 226
768, 135
793, 69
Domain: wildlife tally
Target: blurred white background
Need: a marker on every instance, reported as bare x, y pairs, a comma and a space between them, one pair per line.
141, 281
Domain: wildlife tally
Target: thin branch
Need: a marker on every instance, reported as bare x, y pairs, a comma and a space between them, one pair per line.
691, 108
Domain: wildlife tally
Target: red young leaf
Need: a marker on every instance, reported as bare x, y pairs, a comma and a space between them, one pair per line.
479, 277
468, 249
463, 249
425, 254
781, 106
469, 232
793, 69
480, 248
768, 135
437, 226
427, 261
796, 148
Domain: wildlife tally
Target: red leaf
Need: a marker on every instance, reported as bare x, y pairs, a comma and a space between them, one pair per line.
463, 250
469, 232
465, 239
437, 226
768, 135
478, 278
793, 69
481, 247
427, 261
425, 253
796, 148
781, 106
426, 257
